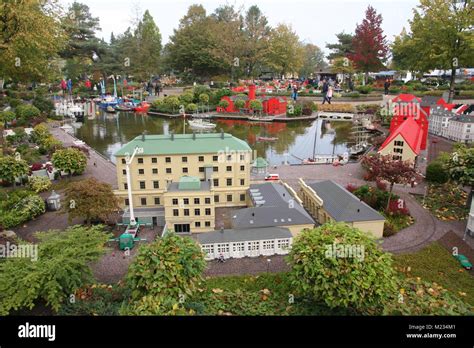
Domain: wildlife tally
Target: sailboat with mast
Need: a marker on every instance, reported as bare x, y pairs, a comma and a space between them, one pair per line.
361, 135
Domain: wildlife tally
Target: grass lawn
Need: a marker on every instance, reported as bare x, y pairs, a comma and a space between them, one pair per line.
435, 264
447, 202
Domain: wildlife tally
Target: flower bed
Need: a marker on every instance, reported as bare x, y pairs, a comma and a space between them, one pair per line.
447, 202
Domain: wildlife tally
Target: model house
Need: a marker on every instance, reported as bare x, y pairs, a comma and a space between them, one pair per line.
461, 128
405, 142
327, 201
439, 120
177, 175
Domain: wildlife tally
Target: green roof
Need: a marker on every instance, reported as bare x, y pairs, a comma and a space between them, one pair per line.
184, 144
189, 183
260, 163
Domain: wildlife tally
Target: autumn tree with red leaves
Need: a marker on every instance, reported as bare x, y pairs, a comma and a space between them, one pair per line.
390, 170
369, 43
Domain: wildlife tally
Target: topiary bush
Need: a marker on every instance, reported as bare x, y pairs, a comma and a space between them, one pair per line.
364, 89
436, 173
39, 183
26, 112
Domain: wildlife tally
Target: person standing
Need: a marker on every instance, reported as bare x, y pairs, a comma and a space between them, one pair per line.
63, 87
295, 92
386, 86
329, 94
351, 85
325, 90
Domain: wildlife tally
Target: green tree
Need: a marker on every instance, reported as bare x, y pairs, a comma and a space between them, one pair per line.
12, 168
62, 266
441, 37
7, 117
169, 269
70, 160
436, 173
286, 53
313, 60
30, 39
343, 267
91, 200
343, 47
460, 166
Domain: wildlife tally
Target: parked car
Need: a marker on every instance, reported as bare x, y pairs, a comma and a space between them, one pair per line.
272, 177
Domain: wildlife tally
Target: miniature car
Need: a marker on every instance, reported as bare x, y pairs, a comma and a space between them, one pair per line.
272, 177
464, 261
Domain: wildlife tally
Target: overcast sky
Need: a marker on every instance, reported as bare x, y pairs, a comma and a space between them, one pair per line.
315, 21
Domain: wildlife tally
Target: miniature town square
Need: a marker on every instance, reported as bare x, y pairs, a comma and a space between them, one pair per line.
233, 163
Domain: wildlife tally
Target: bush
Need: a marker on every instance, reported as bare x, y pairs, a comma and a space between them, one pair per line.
7, 116
294, 110
239, 103
325, 269
436, 173
26, 112
364, 89
351, 95
46, 106
223, 103
39, 183
186, 98
191, 107
15, 102
24, 210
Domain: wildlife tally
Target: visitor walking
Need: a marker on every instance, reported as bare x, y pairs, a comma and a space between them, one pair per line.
69, 87
325, 90
157, 89
329, 94
295, 93
386, 86
63, 87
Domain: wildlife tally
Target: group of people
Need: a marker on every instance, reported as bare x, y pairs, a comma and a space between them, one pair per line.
151, 87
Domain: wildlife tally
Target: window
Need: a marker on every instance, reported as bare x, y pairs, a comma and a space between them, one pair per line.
168, 170
215, 169
155, 170
242, 197
208, 224
184, 159
125, 186
223, 248
156, 184
215, 158
268, 245
207, 200
398, 150
175, 212
208, 249
201, 158
185, 170
124, 172
242, 158
197, 201
140, 160
197, 212
398, 143
397, 158
242, 182
216, 182
186, 212
175, 201
229, 198
216, 198
242, 168
229, 157
229, 168
201, 169
240, 246
142, 185
157, 200
141, 171
127, 202
208, 211
168, 159
154, 160
229, 182
283, 243
186, 201
197, 224
182, 228
143, 201
253, 246
123, 161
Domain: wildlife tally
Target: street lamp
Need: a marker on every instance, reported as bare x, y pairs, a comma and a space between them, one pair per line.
138, 150
268, 265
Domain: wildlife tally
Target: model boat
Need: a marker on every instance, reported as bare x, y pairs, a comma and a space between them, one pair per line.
201, 124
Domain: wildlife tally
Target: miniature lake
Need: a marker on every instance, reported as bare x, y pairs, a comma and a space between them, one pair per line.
107, 133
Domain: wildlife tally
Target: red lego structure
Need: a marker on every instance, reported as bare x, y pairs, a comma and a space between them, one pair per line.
272, 105
409, 106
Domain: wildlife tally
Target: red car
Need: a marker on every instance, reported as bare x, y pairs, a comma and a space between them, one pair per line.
272, 177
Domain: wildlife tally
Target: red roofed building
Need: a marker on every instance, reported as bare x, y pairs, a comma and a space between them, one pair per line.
408, 106
405, 142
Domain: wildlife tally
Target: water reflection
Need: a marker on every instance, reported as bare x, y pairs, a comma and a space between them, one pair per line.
107, 133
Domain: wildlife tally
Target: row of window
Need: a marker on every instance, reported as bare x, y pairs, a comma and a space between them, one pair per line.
197, 212
241, 246
207, 200
156, 184
184, 159
185, 170
156, 200
186, 228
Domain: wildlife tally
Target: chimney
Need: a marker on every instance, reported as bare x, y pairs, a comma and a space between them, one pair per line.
252, 93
